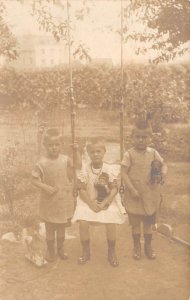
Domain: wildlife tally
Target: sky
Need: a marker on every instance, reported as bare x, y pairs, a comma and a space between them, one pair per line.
94, 31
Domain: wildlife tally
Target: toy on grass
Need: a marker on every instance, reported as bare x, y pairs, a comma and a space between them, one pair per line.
35, 247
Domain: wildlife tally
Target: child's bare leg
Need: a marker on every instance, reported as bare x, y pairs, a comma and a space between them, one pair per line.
50, 240
85, 241
60, 240
50, 231
136, 229
111, 233
84, 230
149, 252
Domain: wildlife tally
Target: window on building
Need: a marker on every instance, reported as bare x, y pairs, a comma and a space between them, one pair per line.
43, 62
52, 62
43, 51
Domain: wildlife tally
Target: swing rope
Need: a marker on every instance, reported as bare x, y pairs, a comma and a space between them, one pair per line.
121, 97
72, 102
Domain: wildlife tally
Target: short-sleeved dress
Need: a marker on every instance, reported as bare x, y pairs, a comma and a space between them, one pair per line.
59, 207
113, 214
139, 164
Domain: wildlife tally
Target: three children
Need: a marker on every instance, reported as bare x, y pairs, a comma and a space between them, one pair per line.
97, 203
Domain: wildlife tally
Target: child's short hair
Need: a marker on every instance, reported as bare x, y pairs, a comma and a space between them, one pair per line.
96, 141
51, 132
104, 175
142, 125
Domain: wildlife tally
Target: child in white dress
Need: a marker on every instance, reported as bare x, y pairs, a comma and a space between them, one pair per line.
89, 210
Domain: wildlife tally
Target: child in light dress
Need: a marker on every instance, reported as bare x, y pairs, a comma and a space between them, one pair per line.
91, 211
53, 175
143, 171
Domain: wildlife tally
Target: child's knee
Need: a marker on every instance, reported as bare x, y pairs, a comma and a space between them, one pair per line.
136, 229
84, 225
111, 231
50, 230
147, 228
60, 228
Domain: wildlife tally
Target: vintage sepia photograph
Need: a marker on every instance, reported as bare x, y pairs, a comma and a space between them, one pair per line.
94, 150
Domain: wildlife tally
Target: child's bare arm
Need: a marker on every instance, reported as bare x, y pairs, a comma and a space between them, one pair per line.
86, 198
46, 188
164, 171
70, 168
108, 200
78, 159
130, 186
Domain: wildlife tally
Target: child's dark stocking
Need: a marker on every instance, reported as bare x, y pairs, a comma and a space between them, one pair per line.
137, 246
50, 240
85, 252
85, 241
60, 241
136, 234
111, 231
112, 258
147, 246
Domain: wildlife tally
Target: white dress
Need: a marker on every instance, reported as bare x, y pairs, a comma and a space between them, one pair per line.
115, 213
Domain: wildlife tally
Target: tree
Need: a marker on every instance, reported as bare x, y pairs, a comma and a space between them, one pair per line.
7, 41
165, 26
46, 13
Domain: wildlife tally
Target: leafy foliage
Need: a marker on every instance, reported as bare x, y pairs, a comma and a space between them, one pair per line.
162, 90
165, 26
7, 41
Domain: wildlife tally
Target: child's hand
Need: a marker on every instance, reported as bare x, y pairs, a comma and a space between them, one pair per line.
94, 206
51, 190
135, 194
103, 205
75, 145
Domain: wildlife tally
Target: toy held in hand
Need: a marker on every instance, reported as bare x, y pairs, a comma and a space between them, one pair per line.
102, 186
156, 172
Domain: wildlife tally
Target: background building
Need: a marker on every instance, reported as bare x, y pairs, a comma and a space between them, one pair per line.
37, 51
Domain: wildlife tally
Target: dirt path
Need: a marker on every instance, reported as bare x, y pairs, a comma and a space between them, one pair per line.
167, 278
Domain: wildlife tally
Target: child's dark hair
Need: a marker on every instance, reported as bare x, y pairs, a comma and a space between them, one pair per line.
104, 175
142, 125
96, 141
51, 132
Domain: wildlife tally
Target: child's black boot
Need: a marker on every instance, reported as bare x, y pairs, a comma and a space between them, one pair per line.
137, 246
149, 252
85, 252
60, 249
112, 258
50, 254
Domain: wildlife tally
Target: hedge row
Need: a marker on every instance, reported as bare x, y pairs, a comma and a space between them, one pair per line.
163, 90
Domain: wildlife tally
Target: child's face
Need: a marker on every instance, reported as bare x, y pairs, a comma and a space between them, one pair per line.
141, 139
102, 181
53, 146
96, 154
